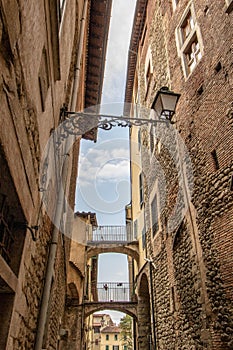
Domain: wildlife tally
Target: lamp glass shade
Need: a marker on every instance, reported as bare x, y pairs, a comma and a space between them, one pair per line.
165, 103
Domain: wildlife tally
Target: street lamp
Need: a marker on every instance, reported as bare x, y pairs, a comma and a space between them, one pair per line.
77, 123
165, 103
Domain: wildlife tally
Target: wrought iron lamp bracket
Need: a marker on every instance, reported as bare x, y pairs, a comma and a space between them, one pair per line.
77, 123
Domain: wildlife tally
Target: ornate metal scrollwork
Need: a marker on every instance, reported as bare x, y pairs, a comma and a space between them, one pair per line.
78, 123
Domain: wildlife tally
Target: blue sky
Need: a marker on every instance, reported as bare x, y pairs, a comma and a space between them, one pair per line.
103, 184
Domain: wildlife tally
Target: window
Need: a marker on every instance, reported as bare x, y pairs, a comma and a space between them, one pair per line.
189, 41
144, 237
43, 78
115, 347
139, 139
154, 215
6, 229
192, 54
125, 347
96, 341
215, 159
152, 140
141, 189
148, 75
106, 347
135, 228
96, 329
115, 337
12, 221
187, 26
107, 336
12, 235
148, 70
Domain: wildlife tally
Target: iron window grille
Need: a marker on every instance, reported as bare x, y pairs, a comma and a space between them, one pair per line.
6, 229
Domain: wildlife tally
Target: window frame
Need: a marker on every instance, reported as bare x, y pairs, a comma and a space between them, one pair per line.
148, 73
144, 238
135, 229
185, 43
139, 139
152, 140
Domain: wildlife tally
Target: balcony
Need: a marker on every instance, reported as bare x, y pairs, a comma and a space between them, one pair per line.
110, 234
113, 292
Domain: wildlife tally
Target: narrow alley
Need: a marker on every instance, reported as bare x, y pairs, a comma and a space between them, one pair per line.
116, 175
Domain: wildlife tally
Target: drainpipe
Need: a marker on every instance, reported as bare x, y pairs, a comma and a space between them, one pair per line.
60, 201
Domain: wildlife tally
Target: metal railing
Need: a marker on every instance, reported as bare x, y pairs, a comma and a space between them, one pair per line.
114, 291
111, 234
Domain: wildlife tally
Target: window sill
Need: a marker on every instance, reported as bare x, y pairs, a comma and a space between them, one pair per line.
229, 7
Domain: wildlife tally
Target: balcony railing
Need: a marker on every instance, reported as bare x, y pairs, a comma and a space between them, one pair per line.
114, 291
110, 234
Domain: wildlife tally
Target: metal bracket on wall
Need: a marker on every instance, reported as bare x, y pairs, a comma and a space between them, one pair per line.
32, 229
77, 123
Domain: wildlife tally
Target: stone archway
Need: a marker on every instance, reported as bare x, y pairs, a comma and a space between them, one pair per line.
130, 310
130, 249
144, 320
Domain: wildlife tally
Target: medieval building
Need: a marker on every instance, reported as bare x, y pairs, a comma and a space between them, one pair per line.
179, 224
52, 55
182, 173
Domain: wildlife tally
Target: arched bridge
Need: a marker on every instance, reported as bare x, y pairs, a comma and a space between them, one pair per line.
112, 239
117, 296
129, 308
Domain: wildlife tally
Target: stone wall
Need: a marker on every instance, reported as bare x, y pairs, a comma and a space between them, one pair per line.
143, 311
73, 327
35, 82
26, 307
189, 314
57, 300
192, 277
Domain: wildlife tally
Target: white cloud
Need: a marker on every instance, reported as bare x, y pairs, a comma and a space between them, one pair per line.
119, 38
109, 164
108, 161
114, 172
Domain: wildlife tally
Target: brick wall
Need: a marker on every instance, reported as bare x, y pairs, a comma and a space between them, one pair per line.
199, 275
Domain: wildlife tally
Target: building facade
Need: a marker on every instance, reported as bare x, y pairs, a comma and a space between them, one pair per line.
52, 55
97, 323
110, 338
182, 173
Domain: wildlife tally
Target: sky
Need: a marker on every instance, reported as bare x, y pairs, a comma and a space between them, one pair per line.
104, 168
